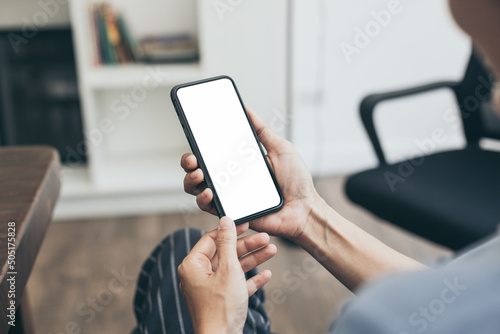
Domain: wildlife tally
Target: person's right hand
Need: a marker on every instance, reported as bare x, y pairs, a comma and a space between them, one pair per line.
294, 179
212, 278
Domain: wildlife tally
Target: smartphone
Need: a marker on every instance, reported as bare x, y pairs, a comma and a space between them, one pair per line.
225, 143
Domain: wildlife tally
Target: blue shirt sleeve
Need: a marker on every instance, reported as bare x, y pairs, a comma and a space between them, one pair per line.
460, 297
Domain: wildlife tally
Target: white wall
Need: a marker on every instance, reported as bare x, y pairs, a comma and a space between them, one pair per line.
45, 13
421, 44
149, 17
249, 43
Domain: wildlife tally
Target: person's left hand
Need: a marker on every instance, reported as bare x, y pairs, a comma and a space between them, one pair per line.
212, 277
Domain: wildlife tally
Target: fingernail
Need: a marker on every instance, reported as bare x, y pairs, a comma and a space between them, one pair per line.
193, 175
225, 223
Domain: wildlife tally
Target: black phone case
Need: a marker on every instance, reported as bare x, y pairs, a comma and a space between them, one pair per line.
201, 163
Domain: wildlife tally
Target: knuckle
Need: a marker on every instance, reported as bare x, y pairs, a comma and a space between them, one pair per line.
181, 269
184, 159
200, 171
205, 236
199, 201
187, 186
224, 237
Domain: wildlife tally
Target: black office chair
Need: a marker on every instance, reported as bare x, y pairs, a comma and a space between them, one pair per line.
453, 197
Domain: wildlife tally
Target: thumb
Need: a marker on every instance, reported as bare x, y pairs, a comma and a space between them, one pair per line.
226, 240
267, 136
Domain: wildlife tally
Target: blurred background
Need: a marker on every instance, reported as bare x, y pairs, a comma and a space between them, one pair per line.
92, 78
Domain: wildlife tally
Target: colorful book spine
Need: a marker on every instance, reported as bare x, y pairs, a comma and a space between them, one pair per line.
96, 49
114, 37
133, 48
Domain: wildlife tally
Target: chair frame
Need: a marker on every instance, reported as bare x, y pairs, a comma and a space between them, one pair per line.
476, 78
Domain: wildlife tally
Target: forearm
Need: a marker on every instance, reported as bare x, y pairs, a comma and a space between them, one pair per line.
352, 255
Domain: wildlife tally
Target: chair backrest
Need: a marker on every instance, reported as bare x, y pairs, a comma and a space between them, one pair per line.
474, 98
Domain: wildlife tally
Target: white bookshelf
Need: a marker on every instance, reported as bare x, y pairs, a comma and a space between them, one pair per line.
129, 75
133, 167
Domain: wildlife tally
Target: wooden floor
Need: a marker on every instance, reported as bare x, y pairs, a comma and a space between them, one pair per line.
73, 285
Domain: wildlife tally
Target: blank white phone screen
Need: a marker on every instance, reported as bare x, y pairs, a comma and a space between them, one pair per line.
228, 148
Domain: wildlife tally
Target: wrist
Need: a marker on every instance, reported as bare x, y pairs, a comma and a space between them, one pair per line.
325, 231
317, 219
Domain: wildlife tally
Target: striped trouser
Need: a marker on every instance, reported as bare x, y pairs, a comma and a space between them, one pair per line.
159, 306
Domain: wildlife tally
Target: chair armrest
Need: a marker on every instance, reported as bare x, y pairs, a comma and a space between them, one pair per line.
369, 103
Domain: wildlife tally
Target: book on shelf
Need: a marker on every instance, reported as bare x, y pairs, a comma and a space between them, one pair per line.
169, 48
130, 42
114, 43
94, 24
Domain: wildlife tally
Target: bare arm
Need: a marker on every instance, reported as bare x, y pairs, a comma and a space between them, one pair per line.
352, 255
